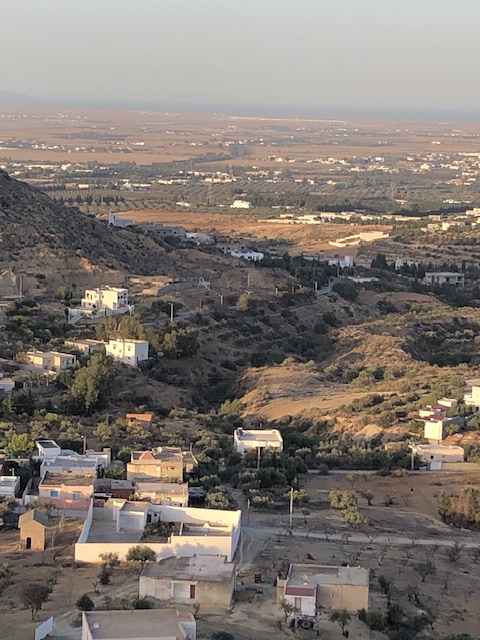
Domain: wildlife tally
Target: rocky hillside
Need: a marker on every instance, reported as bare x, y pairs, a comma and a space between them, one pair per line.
38, 234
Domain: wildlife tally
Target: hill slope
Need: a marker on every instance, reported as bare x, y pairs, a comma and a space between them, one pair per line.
38, 234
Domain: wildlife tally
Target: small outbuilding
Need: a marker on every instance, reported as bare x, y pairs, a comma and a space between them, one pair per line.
33, 527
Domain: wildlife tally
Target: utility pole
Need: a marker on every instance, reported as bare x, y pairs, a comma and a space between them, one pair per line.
221, 299
259, 455
291, 508
316, 286
172, 312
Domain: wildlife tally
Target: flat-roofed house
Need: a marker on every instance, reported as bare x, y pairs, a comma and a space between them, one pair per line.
174, 493
138, 624
310, 588
85, 346
434, 455
130, 352
245, 440
438, 278
68, 489
50, 360
472, 395
208, 581
10, 486
105, 297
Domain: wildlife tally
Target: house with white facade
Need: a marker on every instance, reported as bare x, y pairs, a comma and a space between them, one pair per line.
241, 204
7, 385
138, 624
50, 360
245, 440
55, 459
247, 254
113, 298
311, 588
116, 221
438, 278
434, 455
9, 486
128, 351
472, 394
118, 525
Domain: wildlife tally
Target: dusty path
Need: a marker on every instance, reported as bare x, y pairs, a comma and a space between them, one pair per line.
467, 543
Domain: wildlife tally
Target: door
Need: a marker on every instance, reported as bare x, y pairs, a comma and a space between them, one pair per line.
28, 543
192, 591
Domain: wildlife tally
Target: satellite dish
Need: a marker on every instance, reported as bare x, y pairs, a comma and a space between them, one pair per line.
96, 625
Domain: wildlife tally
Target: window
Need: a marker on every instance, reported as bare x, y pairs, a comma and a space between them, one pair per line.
55, 494
298, 604
77, 496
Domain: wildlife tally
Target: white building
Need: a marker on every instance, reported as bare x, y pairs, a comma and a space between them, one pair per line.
138, 624
343, 263
437, 278
50, 360
115, 220
245, 440
433, 455
113, 298
247, 254
118, 525
9, 486
241, 204
130, 352
472, 396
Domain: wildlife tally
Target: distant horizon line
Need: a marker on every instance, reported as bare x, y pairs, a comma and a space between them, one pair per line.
15, 99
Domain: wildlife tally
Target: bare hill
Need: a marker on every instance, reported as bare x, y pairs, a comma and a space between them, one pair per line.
37, 234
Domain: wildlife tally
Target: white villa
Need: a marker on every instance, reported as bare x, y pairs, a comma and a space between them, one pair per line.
113, 298
118, 525
245, 440
130, 352
100, 302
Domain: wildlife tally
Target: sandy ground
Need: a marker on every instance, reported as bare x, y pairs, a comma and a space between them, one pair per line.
303, 238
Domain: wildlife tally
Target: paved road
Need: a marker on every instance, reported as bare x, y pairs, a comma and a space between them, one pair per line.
467, 543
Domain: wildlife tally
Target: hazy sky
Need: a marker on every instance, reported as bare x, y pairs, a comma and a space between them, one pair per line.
356, 53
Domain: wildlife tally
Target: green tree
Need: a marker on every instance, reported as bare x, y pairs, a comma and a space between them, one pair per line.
85, 603
20, 444
353, 518
287, 608
141, 554
180, 343
92, 383
342, 499
342, 618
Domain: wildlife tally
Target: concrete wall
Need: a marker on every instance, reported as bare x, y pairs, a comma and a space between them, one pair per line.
334, 596
44, 629
178, 545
